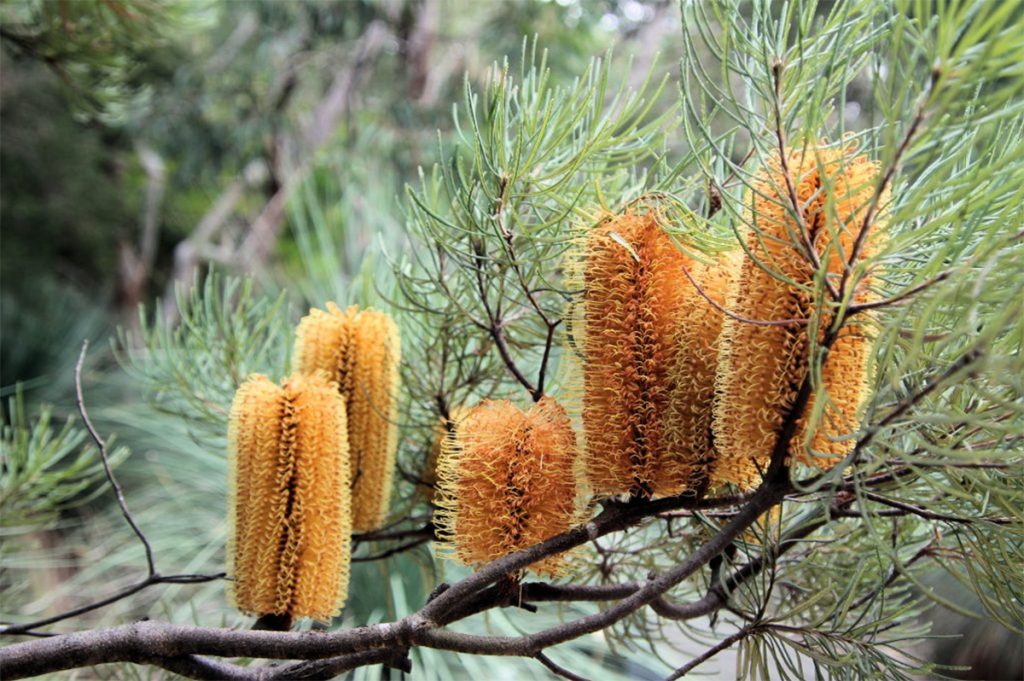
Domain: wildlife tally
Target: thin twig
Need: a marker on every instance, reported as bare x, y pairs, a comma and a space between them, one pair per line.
710, 652
150, 564
557, 669
28, 628
152, 578
931, 515
401, 548
812, 253
733, 315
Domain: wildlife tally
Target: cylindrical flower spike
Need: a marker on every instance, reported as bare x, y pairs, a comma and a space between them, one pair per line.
634, 291
761, 367
360, 350
290, 516
688, 416
506, 481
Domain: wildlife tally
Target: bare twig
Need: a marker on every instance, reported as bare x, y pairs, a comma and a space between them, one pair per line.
931, 515
711, 652
557, 669
798, 210
153, 577
395, 550
733, 315
105, 459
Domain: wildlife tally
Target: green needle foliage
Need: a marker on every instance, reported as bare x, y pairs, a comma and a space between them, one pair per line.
837, 584
45, 467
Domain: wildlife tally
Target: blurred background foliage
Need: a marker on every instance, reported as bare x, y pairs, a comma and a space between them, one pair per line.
145, 144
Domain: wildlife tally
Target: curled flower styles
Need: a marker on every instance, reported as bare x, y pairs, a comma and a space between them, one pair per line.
290, 516
692, 377
360, 350
762, 366
634, 291
507, 480
442, 431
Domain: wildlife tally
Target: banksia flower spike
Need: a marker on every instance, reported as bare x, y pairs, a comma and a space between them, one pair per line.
506, 481
689, 413
634, 291
761, 366
359, 349
290, 520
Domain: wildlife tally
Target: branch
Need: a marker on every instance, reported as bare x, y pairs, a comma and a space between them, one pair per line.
129, 643
558, 670
118, 492
152, 576
733, 315
711, 652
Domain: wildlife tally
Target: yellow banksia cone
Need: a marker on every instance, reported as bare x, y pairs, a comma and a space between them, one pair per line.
634, 290
359, 349
761, 367
290, 520
506, 481
692, 377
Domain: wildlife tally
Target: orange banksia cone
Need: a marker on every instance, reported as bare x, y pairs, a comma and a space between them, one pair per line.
506, 481
359, 349
290, 520
634, 292
761, 366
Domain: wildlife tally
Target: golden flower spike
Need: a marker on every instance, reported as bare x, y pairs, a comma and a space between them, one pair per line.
762, 366
506, 481
359, 349
634, 291
290, 519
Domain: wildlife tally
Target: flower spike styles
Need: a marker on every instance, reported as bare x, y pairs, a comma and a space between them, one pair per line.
634, 289
761, 367
290, 518
442, 431
691, 402
359, 349
506, 481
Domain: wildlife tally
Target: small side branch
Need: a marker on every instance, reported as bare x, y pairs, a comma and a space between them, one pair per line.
105, 458
711, 652
557, 669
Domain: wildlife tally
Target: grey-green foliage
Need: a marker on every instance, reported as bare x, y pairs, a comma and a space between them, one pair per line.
224, 330
45, 467
491, 223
